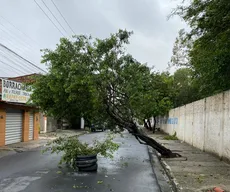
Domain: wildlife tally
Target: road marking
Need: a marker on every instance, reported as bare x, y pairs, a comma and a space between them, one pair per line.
16, 184
42, 172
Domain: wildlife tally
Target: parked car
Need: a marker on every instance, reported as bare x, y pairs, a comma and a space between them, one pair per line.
95, 128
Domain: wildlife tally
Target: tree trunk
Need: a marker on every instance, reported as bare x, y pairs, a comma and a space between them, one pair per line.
140, 135
154, 124
146, 125
143, 139
149, 124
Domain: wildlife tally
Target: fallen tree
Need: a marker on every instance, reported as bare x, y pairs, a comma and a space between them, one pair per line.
96, 79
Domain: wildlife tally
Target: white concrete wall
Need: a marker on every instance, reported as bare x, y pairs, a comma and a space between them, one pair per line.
226, 126
47, 124
214, 112
188, 123
180, 130
204, 124
198, 124
82, 123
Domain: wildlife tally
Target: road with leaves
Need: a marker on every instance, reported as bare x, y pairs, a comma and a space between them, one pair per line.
130, 170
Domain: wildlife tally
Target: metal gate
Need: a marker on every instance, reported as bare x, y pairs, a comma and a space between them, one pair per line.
31, 128
13, 126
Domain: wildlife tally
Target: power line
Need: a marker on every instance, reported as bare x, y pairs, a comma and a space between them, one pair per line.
54, 17
13, 67
27, 36
10, 70
27, 62
17, 60
11, 38
12, 43
24, 46
21, 57
21, 65
49, 17
63, 17
13, 62
8, 31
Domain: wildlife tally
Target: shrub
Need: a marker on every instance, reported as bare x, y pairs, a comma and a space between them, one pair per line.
171, 137
73, 147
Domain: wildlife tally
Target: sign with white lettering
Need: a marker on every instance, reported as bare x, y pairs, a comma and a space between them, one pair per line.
16, 92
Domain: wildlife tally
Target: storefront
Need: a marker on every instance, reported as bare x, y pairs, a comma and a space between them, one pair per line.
19, 122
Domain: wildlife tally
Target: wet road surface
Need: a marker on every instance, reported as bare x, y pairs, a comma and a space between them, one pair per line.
129, 171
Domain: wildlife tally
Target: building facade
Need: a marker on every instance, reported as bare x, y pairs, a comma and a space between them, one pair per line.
19, 122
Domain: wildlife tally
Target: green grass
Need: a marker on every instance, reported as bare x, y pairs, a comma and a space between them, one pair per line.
171, 137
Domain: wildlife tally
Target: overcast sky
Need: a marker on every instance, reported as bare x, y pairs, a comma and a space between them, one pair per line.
31, 31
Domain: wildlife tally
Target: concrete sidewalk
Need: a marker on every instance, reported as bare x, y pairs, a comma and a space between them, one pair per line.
196, 171
43, 139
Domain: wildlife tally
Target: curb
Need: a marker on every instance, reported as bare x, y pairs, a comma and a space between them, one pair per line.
167, 169
161, 175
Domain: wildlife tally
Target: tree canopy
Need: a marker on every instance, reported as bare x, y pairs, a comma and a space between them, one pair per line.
205, 48
186, 90
96, 79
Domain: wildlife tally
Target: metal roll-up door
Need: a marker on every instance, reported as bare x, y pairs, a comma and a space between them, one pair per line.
14, 120
31, 128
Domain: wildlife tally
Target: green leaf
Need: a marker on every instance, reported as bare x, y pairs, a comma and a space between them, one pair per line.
100, 182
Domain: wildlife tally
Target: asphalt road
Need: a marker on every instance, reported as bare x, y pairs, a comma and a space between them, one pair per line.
129, 171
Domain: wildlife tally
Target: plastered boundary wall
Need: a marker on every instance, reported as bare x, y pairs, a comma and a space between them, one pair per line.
205, 124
